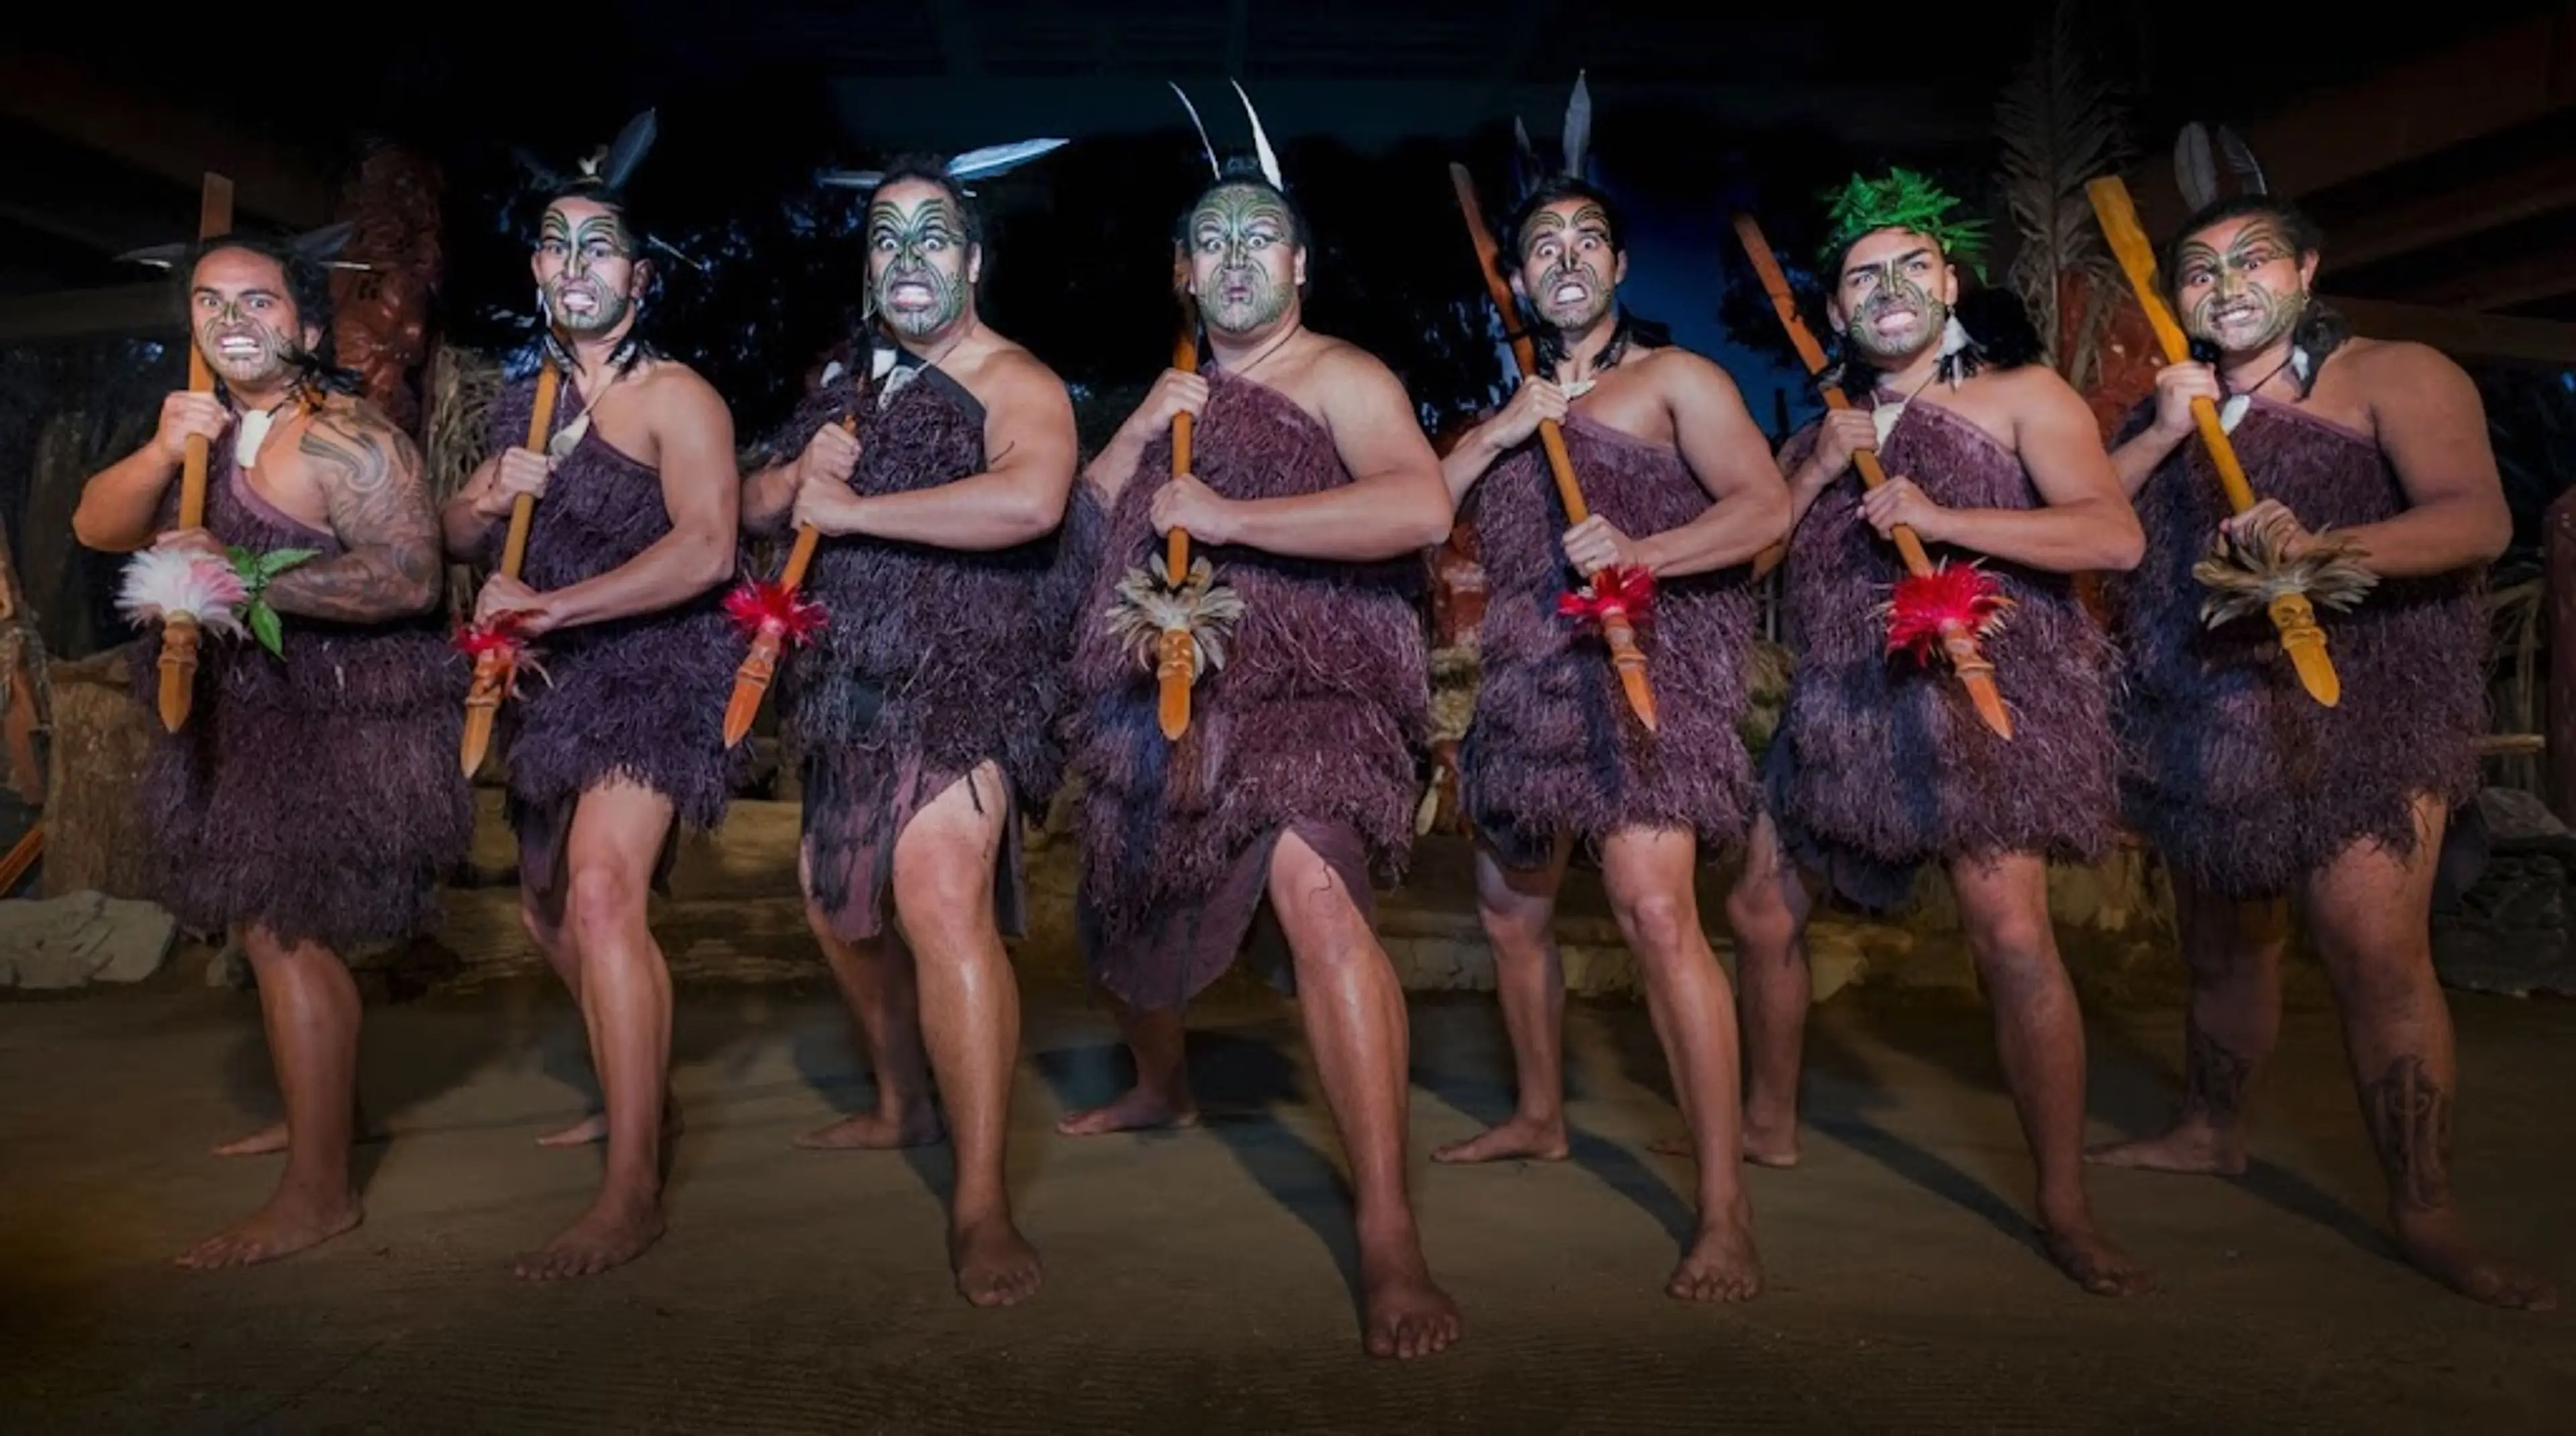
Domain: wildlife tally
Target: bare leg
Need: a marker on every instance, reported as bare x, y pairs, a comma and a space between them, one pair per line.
309, 1006
1161, 1099
878, 982
625, 993
545, 924
2039, 1034
970, 1006
1649, 876
2233, 951
1768, 911
2370, 912
1355, 1022
1517, 909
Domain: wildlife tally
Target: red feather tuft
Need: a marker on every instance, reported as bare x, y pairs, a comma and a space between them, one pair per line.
756, 606
1923, 607
501, 636
1628, 592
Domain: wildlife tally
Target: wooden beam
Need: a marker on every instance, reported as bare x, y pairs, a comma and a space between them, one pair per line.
2438, 218
2523, 279
2464, 334
2507, 76
87, 313
161, 137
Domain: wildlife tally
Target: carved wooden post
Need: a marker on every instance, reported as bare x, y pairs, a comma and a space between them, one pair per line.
101, 736
383, 310
22, 683
2559, 555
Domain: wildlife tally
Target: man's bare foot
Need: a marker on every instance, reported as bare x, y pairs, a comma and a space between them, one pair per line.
995, 1265
616, 1230
2433, 1245
1406, 1314
292, 1221
272, 1138
2094, 1263
1138, 1109
2191, 1148
1524, 1139
1762, 1150
594, 1128
876, 1132
1721, 1264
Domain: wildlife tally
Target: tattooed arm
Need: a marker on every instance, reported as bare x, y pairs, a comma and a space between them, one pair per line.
369, 475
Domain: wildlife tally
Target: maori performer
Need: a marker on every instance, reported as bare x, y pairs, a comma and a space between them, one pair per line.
1313, 497
1682, 486
2369, 453
937, 471
612, 740
312, 803
1880, 763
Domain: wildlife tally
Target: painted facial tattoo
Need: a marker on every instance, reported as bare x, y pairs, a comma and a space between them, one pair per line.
1889, 294
2240, 289
245, 321
586, 267
1568, 269
916, 258
1243, 258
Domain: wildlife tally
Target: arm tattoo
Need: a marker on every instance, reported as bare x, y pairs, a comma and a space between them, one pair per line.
2213, 1079
380, 507
2410, 1124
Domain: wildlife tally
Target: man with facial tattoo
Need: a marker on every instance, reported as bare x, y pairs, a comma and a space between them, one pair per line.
1313, 494
2255, 793
937, 468
311, 803
619, 743
1880, 764
1682, 486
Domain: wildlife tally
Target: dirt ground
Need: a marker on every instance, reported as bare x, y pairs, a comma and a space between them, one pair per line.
1200, 1281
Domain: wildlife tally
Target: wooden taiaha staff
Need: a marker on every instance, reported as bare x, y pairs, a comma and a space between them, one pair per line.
1178, 662
773, 614
495, 655
179, 631
1608, 599
1958, 639
2293, 617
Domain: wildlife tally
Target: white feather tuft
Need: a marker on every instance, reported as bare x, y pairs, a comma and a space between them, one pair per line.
1214, 172
161, 582
1260, 141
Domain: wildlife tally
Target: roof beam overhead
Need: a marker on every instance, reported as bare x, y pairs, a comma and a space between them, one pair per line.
2462, 334
2473, 209
2525, 279
161, 137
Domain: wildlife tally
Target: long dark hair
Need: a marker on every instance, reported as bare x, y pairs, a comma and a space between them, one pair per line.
1626, 328
2321, 329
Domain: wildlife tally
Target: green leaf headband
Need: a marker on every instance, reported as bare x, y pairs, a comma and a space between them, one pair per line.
1903, 200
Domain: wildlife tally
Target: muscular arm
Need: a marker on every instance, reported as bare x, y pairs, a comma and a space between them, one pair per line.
459, 524
377, 502
703, 493
1115, 464
1020, 495
2084, 522
1727, 453
2135, 461
768, 498
1396, 503
1469, 458
2434, 429
118, 504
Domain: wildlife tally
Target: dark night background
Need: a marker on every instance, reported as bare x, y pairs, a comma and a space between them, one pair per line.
1698, 113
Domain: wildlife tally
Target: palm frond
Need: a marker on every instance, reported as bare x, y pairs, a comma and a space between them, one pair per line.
2061, 125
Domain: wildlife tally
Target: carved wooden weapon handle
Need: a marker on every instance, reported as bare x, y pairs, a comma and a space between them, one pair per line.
1178, 660
491, 666
751, 680
1625, 656
1967, 659
179, 631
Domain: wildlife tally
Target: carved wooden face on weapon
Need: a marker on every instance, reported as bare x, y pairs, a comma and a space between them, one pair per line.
1571, 265
243, 313
1247, 261
2242, 283
1893, 295
922, 268
589, 271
